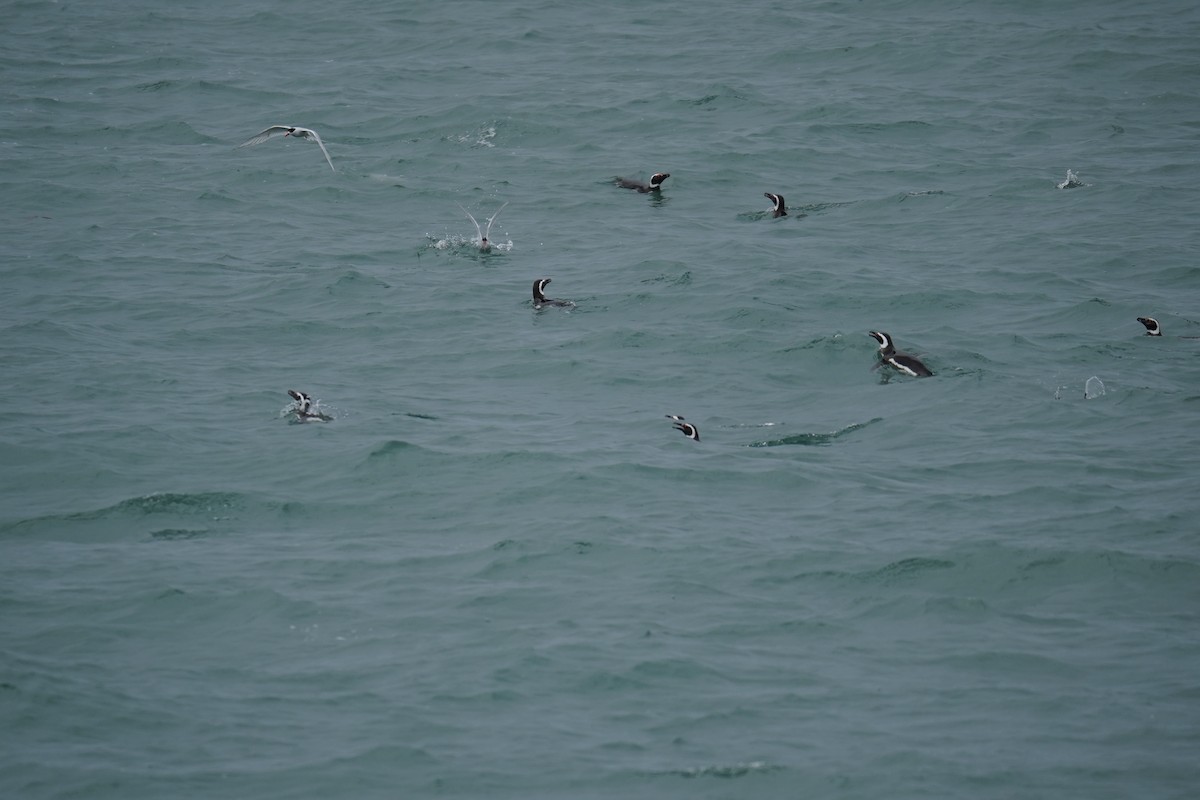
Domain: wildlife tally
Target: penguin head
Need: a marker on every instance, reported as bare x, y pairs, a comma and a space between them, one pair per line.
688, 430
657, 178
885, 341
539, 286
303, 401
1151, 324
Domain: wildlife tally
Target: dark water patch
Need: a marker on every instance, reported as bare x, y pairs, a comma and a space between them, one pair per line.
472, 701
206, 613
173, 534
721, 98
906, 570
815, 439
515, 558
958, 609
836, 342
1012, 667
144, 516
681, 279
910, 129
816, 208
397, 450
220, 198
726, 771
173, 503
603, 681
353, 282
1074, 568
919, 194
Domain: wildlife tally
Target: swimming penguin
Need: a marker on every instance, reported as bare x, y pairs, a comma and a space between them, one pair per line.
686, 428
483, 233
540, 300
303, 409
780, 210
1153, 328
902, 362
653, 186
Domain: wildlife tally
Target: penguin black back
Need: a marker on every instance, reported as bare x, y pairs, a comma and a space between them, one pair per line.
901, 362
539, 297
654, 185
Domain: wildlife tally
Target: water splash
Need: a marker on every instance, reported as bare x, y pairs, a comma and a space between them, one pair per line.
480, 137
316, 413
1071, 181
458, 243
1093, 388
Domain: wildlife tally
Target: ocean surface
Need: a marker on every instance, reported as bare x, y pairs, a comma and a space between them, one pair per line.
497, 570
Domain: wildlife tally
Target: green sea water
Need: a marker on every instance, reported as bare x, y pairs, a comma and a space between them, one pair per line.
498, 571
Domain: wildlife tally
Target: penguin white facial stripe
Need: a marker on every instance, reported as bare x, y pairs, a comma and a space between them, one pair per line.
1152, 326
540, 300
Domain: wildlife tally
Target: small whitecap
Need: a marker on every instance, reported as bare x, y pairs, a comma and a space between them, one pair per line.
1093, 388
480, 137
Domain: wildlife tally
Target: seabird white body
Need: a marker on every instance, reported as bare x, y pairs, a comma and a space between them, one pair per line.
294, 132
484, 233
